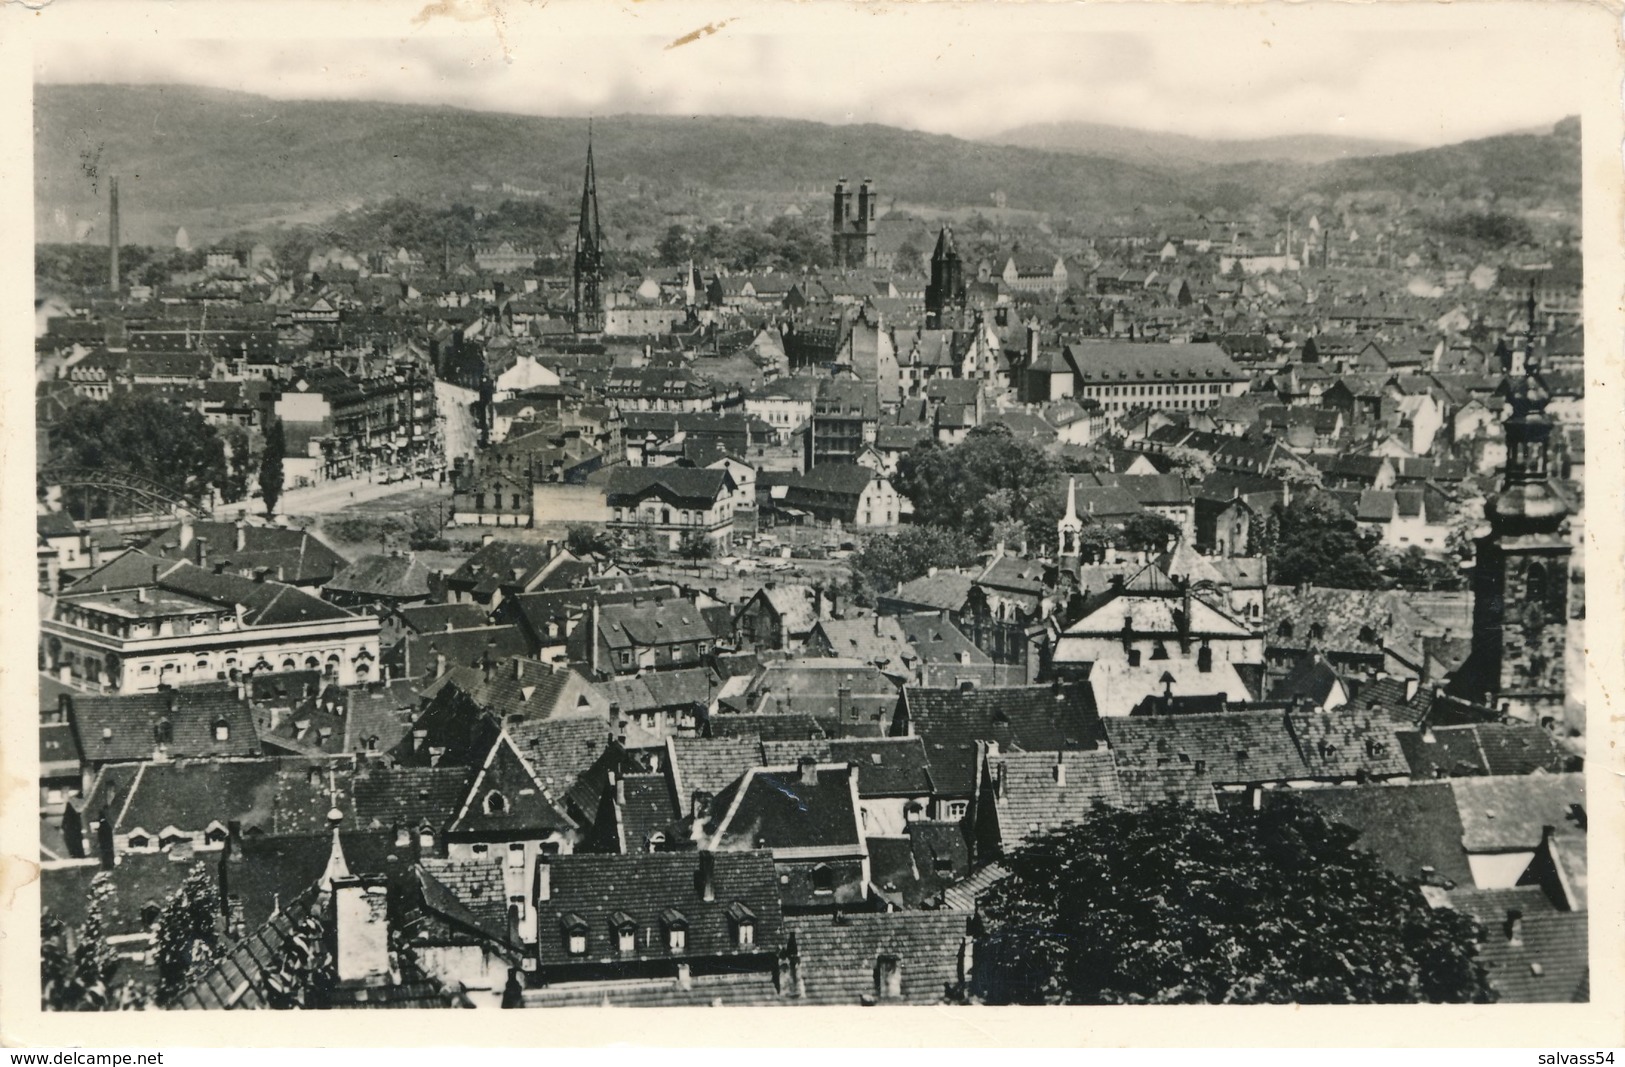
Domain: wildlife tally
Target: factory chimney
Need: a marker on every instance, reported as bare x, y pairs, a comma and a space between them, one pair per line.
112, 231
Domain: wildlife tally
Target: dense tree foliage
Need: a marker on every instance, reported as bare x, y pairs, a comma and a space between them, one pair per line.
145, 436
1175, 905
989, 478
187, 938
271, 473
590, 541
785, 243
911, 552
84, 266
1483, 230
79, 970
1314, 539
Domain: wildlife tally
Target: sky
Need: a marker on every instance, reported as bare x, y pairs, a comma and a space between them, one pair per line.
1428, 74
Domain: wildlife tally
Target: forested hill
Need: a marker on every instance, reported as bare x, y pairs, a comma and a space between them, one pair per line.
220, 160
182, 149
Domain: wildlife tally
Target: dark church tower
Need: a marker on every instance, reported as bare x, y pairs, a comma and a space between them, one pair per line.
945, 295
1521, 576
589, 266
855, 238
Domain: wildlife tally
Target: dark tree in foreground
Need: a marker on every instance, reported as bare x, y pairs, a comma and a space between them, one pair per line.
79, 971
187, 937
1177, 906
276, 444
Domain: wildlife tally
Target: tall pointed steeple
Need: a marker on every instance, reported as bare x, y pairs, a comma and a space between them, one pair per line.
589, 260
945, 295
1069, 529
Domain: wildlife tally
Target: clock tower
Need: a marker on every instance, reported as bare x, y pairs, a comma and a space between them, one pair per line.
1521, 575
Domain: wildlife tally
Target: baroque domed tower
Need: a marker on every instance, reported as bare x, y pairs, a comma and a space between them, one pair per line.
1521, 576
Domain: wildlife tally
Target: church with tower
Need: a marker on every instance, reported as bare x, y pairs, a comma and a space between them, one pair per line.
945, 294
1521, 575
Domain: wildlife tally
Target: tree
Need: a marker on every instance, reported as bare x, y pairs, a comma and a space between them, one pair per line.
234, 486
987, 478
187, 936
1193, 463
1148, 532
888, 559
144, 436
276, 444
1415, 569
1178, 906
589, 541
1314, 540
696, 546
78, 968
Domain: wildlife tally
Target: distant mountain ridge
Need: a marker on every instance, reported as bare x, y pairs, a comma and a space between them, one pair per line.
1154, 148
215, 161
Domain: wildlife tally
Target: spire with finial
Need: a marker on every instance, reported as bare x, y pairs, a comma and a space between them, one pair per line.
1070, 527
589, 259
1526, 501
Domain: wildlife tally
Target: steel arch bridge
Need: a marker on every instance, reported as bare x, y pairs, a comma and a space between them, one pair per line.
97, 496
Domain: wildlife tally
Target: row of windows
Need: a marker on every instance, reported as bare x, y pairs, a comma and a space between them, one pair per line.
577, 938
1097, 391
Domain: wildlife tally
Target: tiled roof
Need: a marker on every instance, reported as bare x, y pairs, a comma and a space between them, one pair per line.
647, 806
1113, 362
693, 485
495, 565
128, 727
963, 895
1548, 964
789, 807
1257, 746
1407, 827
1142, 787
385, 797
302, 558
508, 796
839, 956
786, 726
419, 653
794, 604
434, 618
1037, 797
392, 577
937, 640
879, 640
655, 889
1508, 813
710, 765
561, 751
477, 887
945, 590
1024, 718
652, 623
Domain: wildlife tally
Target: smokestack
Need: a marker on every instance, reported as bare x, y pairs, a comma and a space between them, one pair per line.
706, 877
112, 233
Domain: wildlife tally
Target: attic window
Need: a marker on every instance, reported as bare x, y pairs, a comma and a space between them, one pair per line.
823, 879
625, 929
222, 730
575, 934
163, 732
1285, 629
496, 803
744, 924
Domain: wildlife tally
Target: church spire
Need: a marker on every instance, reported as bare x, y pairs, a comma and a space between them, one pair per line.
589, 260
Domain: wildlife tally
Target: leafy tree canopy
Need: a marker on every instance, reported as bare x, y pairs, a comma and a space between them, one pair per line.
911, 552
145, 436
988, 478
1315, 540
1178, 906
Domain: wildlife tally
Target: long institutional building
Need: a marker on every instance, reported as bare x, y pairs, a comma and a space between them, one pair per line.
1125, 375
141, 622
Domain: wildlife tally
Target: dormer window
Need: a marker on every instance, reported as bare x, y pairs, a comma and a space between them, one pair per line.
495, 803
675, 924
222, 730
426, 838
403, 837
163, 732
574, 928
625, 929
743, 921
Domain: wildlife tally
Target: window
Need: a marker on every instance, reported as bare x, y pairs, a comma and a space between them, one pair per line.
955, 809
1133, 657
1159, 651
496, 803
516, 854
823, 879
222, 730
163, 732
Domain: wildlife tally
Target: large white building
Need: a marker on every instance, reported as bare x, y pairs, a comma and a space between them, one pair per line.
141, 622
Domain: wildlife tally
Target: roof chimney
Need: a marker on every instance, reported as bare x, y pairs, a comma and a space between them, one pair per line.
705, 879
544, 877
242, 535
807, 770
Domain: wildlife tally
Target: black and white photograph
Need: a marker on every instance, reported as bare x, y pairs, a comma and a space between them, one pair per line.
665, 506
